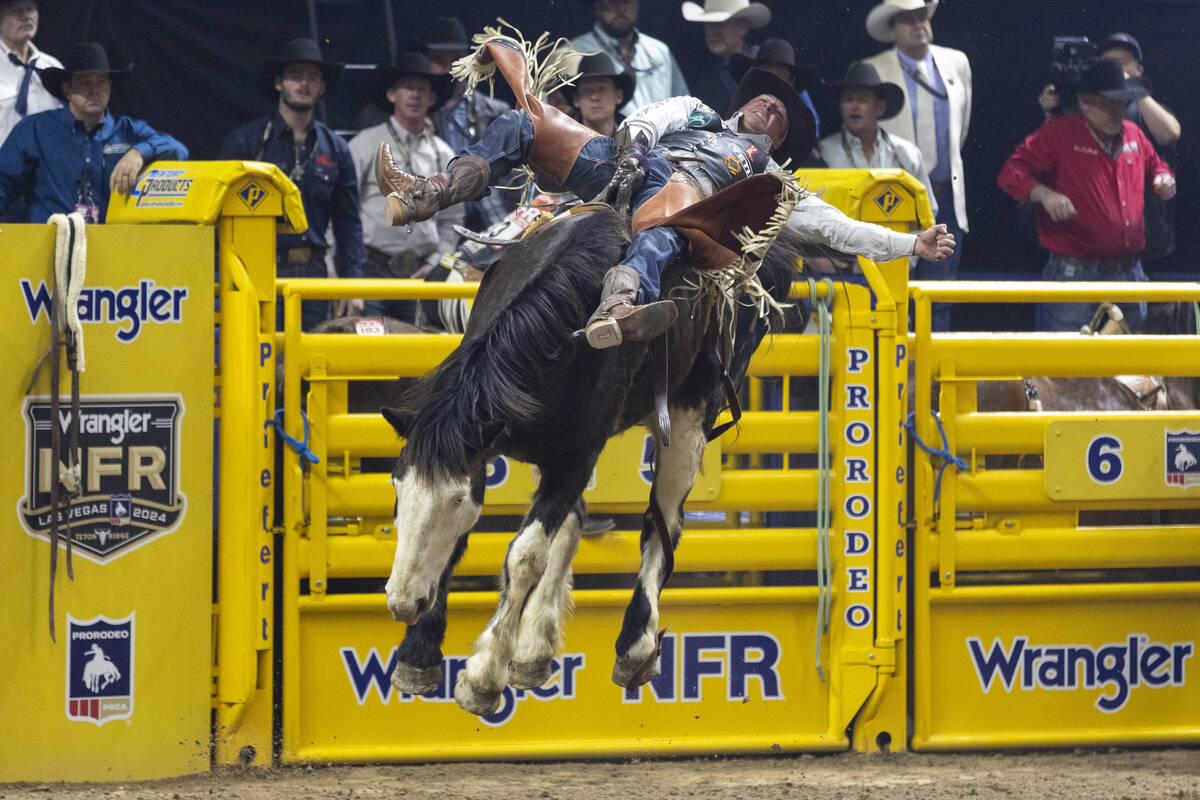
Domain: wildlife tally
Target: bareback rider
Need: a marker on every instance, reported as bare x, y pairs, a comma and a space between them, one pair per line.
712, 153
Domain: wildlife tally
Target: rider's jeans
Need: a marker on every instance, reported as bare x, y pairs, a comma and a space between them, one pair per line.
505, 145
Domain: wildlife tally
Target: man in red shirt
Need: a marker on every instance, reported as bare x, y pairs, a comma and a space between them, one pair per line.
1087, 172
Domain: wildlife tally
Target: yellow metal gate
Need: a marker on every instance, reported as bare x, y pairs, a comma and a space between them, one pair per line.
1032, 628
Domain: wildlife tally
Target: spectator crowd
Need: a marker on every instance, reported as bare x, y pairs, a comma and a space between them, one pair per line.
1097, 174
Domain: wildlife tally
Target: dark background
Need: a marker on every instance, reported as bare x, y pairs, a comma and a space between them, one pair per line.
196, 61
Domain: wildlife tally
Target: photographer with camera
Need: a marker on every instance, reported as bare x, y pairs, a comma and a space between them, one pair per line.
1072, 55
1086, 171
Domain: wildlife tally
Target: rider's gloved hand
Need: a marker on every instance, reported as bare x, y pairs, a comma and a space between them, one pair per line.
633, 153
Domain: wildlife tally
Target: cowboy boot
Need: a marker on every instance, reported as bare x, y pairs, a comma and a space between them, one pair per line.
413, 198
619, 318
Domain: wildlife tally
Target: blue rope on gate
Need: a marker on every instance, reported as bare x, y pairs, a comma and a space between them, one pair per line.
299, 447
947, 457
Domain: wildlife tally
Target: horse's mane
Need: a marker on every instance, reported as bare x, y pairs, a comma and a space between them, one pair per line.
492, 378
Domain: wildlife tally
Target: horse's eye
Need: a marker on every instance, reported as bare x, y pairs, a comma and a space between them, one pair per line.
458, 501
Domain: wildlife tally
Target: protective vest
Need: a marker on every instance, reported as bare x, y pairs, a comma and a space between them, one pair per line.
723, 156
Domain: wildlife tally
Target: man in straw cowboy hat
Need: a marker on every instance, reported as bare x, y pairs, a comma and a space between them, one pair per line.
1086, 171
726, 24
408, 92
72, 158
937, 84
865, 100
318, 162
714, 190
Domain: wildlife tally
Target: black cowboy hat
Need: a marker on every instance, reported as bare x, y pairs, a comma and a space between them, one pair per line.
802, 129
297, 51
774, 52
598, 65
448, 34
84, 57
860, 75
410, 63
1107, 78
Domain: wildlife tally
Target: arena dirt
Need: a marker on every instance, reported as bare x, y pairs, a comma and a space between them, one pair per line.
1080, 775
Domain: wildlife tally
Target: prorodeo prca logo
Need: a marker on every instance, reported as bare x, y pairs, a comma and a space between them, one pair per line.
129, 457
99, 669
1182, 457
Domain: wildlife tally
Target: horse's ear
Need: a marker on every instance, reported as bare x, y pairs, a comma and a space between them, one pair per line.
400, 418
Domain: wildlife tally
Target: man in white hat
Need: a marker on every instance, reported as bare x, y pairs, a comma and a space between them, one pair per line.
726, 23
937, 84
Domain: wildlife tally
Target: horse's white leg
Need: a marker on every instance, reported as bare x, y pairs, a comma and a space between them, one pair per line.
540, 633
479, 686
673, 479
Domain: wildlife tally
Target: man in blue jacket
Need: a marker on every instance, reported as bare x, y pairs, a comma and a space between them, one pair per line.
73, 158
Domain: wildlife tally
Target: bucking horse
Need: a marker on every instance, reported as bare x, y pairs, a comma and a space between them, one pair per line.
522, 384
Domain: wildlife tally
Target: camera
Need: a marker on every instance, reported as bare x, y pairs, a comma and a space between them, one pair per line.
1072, 56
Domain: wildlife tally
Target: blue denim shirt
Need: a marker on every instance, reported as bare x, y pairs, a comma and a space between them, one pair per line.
49, 157
328, 185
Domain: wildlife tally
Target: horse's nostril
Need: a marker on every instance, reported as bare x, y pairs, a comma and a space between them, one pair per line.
422, 606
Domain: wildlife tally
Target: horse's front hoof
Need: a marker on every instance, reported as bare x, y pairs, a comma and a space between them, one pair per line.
416, 680
529, 674
475, 701
632, 672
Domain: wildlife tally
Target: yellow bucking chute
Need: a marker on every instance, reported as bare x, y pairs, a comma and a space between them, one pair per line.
200, 191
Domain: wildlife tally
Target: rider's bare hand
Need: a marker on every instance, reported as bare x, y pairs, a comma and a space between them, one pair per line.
934, 244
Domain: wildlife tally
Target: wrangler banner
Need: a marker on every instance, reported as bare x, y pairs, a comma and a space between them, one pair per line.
130, 669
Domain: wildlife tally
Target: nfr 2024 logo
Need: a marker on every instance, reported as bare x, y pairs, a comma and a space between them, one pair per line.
129, 463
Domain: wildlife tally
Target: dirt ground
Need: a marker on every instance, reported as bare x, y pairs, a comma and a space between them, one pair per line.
1079, 775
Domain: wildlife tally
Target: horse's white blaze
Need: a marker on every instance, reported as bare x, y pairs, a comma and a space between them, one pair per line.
430, 518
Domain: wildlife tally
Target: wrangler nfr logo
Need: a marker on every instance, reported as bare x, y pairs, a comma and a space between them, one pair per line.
129, 472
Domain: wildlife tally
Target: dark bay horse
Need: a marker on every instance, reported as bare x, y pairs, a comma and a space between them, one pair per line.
520, 384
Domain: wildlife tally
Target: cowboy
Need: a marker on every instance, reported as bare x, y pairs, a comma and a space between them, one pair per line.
598, 91
408, 92
768, 123
778, 57
71, 159
616, 35
1086, 171
318, 162
864, 100
726, 24
21, 89
585, 162
937, 83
